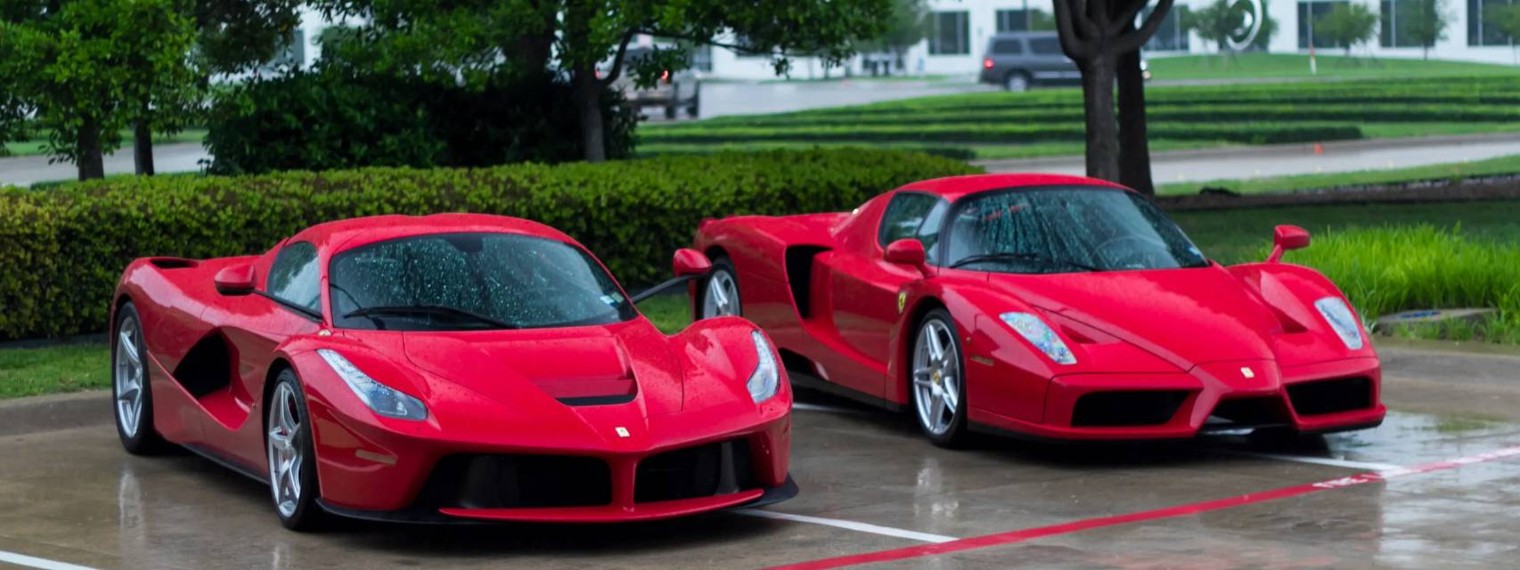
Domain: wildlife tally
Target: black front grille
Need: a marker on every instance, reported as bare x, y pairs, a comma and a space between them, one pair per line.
1331, 396
703, 471
1261, 411
517, 481
1127, 408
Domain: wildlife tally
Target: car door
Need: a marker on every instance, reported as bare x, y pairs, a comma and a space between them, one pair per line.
863, 288
288, 303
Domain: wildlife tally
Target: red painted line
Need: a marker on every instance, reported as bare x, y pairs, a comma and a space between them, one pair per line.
1016, 536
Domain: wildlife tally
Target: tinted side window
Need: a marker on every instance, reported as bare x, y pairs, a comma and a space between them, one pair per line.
904, 215
1045, 46
1007, 47
294, 276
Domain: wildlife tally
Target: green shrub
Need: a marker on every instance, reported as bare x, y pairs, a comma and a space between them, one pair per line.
1396, 268
325, 121
61, 251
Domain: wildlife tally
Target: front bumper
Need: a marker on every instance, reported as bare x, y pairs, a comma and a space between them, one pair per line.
370, 470
1319, 398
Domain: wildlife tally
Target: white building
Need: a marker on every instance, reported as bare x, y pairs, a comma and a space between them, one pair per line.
962, 28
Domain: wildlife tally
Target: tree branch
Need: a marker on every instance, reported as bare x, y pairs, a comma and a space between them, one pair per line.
1070, 43
617, 61
1133, 40
704, 41
1126, 19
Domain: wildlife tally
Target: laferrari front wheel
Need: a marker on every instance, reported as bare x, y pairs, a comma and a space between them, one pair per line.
939, 385
720, 291
133, 394
292, 461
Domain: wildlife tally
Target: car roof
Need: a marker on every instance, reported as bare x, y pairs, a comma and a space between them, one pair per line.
354, 232
953, 188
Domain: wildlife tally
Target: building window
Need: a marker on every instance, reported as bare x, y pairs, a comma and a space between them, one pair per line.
1394, 18
1308, 12
951, 34
1481, 27
1024, 21
1169, 35
701, 57
291, 53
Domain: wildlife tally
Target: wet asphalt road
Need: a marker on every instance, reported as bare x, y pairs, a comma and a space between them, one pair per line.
1218, 503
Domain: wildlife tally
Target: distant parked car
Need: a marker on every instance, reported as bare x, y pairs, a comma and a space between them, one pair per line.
1020, 60
673, 92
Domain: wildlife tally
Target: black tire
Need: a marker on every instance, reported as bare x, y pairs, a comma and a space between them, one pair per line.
670, 110
956, 435
144, 438
721, 266
1017, 81
694, 109
307, 515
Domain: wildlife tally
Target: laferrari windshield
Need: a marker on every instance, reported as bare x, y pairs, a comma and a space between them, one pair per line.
475, 281
1064, 230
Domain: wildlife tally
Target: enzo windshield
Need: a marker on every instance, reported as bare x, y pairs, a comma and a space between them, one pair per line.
472, 282
1064, 230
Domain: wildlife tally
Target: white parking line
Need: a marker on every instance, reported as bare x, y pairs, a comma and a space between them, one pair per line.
34, 562
1342, 463
850, 525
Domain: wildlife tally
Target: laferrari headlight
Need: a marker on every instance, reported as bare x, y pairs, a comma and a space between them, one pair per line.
384, 400
1040, 335
763, 383
1341, 320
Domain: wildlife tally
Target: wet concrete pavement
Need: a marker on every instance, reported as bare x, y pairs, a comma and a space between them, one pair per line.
73, 496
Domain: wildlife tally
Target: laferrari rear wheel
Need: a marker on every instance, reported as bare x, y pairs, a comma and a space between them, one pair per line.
133, 396
292, 462
720, 291
939, 387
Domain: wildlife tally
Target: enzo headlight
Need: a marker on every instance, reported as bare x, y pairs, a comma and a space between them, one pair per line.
763, 383
1040, 335
1335, 312
383, 399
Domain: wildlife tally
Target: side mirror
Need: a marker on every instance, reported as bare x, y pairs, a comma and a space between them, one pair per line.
690, 263
1287, 238
908, 252
235, 280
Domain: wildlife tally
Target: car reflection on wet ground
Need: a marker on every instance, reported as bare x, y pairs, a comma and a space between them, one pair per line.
1432, 488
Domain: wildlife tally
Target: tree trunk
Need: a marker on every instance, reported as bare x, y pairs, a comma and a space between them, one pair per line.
1134, 147
89, 158
142, 147
588, 94
1102, 129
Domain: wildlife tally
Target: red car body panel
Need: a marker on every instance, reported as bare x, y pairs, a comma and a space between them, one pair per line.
494, 392
839, 312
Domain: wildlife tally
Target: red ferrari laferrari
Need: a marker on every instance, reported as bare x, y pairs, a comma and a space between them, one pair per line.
446, 368
1043, 306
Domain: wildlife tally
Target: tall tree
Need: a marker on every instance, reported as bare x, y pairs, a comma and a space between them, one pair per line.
162, 86
907, 25
1507, 19
1427, 25
1216, 22
1095, 34
1347, 25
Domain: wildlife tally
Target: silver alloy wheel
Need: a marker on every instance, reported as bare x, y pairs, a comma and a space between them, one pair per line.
936, 377
128, 380
1016, 82
285, 454
722, 298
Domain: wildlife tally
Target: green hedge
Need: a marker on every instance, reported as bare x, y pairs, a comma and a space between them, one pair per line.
1155, 113
61, 251
1250, 133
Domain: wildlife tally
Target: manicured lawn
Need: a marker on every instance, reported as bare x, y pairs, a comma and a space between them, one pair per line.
1490, 167
1048, 122
52, 370
1276, 65
36, 147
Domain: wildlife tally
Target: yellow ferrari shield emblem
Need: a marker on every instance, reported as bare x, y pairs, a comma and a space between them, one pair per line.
902, 301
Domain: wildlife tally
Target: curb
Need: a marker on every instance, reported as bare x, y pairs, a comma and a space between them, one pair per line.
55, 412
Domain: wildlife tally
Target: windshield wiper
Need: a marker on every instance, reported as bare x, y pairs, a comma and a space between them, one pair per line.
430, 310
1020, 256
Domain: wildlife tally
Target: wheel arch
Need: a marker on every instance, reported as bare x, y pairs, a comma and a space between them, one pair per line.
902, 376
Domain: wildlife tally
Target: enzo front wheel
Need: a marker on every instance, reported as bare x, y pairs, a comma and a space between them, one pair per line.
939, 386
292, 461
133, 394
720, 292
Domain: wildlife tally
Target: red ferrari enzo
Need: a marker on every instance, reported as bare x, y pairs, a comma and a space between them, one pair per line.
1045, 306
446, 368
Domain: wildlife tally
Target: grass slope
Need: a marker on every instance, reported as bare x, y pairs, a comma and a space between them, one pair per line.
1281, 65
1452, 171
